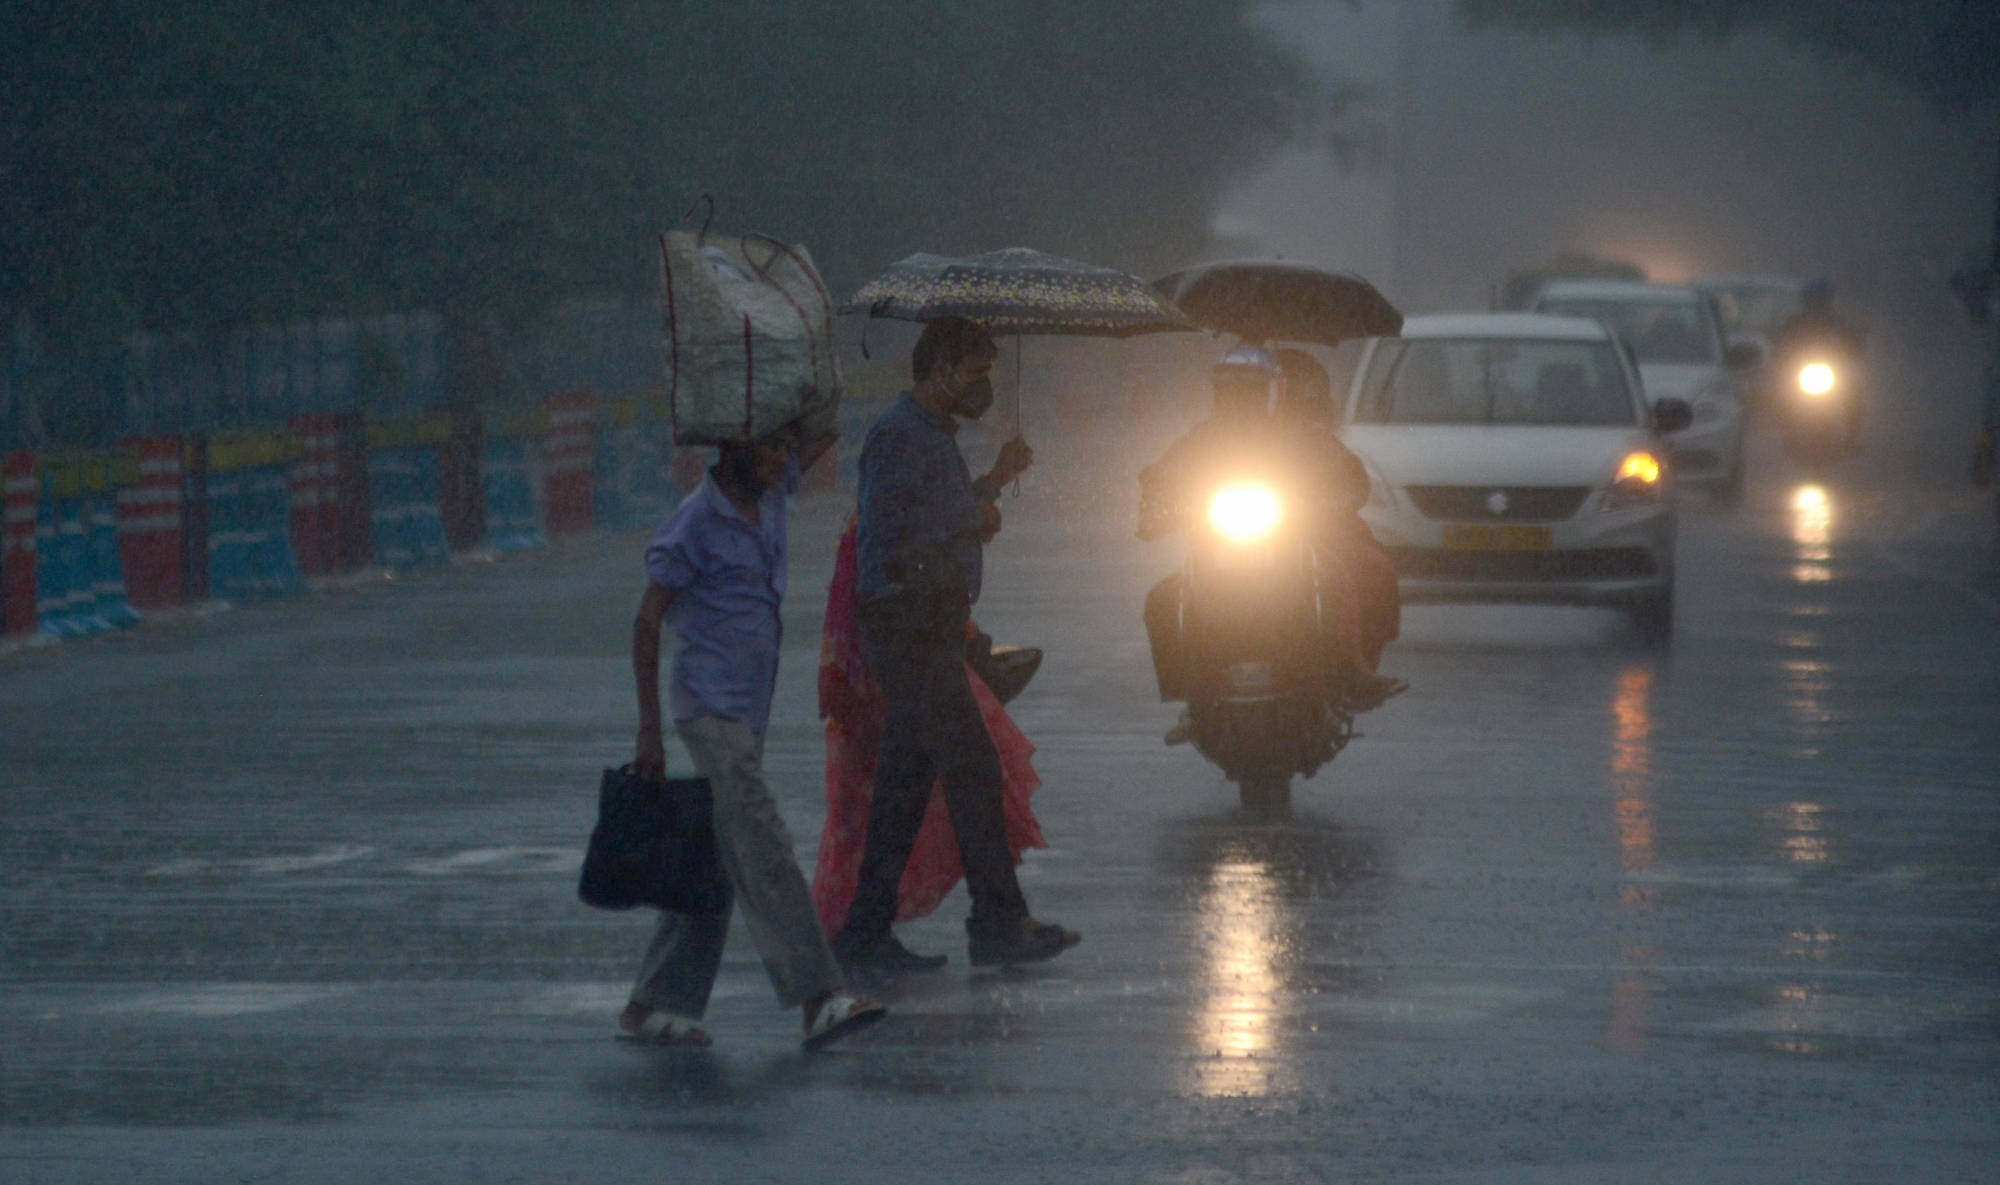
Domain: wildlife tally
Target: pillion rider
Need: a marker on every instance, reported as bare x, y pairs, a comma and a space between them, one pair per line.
1324, 481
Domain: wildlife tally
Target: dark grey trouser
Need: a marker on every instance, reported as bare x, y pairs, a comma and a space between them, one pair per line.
756, 849
915, 648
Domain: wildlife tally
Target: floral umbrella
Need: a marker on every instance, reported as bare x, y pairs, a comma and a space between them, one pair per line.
1019, 291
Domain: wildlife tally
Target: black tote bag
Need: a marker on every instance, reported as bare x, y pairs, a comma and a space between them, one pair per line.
654, 844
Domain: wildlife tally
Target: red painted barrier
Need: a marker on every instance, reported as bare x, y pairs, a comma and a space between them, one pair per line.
151, 524
315, 495
568, 459
353, 523
17, 546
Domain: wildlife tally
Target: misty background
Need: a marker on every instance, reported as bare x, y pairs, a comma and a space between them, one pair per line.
500, 167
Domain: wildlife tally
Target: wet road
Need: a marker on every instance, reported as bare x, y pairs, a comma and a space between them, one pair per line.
289, 892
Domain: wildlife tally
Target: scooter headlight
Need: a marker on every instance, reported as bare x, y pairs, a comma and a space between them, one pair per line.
1816, 378
1245, 513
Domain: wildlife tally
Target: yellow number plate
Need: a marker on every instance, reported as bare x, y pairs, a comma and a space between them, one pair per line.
1479, 537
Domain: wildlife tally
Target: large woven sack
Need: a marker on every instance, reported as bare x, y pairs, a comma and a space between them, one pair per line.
749, 338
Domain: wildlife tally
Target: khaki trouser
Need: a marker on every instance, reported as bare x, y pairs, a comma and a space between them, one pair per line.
756, 850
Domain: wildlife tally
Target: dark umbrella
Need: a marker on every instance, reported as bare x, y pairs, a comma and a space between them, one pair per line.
1018, 291
1264, 300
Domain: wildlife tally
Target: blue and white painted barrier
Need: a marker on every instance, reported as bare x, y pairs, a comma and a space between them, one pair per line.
403, 490
250, 553
633, 488
507, 473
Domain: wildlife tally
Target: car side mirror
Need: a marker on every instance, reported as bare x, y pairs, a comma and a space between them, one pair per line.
1743, 356
1671, 415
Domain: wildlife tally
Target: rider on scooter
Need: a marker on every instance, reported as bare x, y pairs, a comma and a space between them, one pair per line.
1325, 481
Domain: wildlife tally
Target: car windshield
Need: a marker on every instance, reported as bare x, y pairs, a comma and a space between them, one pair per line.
1671, 331
1495, 381
1758, 308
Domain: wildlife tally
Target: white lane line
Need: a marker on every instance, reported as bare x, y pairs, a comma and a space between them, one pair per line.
266, 865
519, 860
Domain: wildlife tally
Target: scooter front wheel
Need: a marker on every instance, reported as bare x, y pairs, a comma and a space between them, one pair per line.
1265, 794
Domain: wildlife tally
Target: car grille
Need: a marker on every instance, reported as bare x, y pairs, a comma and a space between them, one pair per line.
1592, 563
1518, 504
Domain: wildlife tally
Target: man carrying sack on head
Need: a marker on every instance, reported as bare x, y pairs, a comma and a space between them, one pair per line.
922, 523
717, 569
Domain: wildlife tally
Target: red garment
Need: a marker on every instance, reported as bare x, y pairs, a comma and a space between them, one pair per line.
854, 711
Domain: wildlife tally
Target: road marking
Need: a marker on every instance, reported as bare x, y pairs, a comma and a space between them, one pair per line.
266, 865
527, 860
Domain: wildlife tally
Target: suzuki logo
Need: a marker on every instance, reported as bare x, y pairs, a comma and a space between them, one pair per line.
1496, 502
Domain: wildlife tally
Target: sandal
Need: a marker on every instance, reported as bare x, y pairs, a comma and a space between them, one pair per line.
839, 1015
664, 1028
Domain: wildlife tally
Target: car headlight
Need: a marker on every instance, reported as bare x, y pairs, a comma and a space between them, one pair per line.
1245, 513
1817, 378
1637, 482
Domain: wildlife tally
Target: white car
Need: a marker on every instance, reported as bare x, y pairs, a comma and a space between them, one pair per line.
1676, 337
1511, 457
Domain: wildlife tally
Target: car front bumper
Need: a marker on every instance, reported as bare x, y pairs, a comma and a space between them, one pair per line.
1613, 558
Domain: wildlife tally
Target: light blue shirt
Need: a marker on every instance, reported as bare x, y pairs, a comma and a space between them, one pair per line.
729, 574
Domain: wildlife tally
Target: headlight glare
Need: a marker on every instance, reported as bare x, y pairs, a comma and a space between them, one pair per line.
1245, 513
1816, 378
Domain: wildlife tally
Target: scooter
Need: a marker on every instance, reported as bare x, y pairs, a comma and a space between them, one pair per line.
1819, 412
1240, 635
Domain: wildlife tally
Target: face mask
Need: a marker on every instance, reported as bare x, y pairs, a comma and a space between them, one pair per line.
973, 398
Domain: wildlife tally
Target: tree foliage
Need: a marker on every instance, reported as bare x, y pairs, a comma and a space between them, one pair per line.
224, 162
1946, 49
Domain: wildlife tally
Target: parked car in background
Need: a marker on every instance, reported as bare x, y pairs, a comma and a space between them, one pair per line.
1512, 457
1676, 339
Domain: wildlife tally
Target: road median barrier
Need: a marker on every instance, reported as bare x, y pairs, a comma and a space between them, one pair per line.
510, 459
569, 456
634, 489
250, 553
18, 546
403, 489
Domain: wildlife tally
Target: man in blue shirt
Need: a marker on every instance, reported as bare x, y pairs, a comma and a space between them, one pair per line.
923, 521
716, 570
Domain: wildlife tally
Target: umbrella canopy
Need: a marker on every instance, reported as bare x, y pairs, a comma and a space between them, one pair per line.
1263, 300
1018, 291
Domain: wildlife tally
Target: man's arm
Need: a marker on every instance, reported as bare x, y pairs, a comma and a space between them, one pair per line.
650, 760
1014, 459
812, 450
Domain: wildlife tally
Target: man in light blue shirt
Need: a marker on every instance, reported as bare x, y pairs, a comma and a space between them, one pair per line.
716, 570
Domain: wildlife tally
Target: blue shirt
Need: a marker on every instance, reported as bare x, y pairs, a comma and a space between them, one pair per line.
915, 492
730, 576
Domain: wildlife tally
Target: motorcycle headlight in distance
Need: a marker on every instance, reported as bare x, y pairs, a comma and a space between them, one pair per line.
1245, 513
1816, 378
1637, 482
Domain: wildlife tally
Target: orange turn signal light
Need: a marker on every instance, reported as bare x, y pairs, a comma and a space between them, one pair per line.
1640, 467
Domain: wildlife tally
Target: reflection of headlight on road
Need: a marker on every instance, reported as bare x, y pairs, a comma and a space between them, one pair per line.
1816, 378
1245, 513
